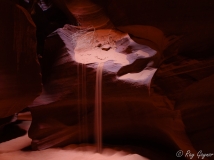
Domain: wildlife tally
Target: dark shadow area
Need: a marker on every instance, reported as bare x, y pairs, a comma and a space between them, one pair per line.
11, 131
26, 149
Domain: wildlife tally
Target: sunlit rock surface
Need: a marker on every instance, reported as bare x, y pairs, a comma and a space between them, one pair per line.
174, 113
193, 20
129, 116
20, 78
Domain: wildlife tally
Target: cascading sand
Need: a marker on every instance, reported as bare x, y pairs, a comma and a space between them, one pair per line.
98, 108
95, 47
82, 103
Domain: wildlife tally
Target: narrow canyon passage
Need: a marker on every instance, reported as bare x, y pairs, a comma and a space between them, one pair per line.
118, 80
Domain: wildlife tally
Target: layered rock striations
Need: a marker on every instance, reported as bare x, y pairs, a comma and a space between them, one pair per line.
129, 115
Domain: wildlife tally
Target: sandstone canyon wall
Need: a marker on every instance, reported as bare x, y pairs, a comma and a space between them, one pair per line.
172, 111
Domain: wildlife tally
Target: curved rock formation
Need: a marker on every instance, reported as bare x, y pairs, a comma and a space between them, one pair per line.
20, 79
87, 13
128, 114
156, 107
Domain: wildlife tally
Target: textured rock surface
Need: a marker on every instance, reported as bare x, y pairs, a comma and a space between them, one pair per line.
129, 116
192, 19
20, 79
186, 84
180, 99
190, 65
86, 13
197, 107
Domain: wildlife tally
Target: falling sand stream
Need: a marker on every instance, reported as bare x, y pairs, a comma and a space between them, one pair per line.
96, 47
82, 103
82, 106
98, 108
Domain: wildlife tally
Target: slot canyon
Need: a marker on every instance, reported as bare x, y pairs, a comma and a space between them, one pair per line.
106, 79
